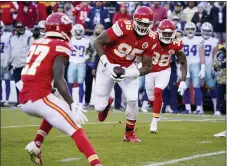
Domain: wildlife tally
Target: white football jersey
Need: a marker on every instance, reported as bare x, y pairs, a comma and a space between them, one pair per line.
79, 49
191, 49
209, 46
4, 43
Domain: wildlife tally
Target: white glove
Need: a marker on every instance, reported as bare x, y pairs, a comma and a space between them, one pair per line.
202, 71
182, 87
109, 66
77, 113
130, 73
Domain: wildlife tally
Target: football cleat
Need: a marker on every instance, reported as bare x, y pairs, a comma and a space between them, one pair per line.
198, 112
186, 112
102, 115
131, 137
217, 113
154, 127
34, 152
221, 134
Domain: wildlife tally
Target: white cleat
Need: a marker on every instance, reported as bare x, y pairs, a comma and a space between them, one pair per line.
221, 134
144, 110
217, 113
154, 125
34, 152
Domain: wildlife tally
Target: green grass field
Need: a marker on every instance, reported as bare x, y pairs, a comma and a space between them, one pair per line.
179, 136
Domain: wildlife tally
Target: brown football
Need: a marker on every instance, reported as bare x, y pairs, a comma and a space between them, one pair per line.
119, 71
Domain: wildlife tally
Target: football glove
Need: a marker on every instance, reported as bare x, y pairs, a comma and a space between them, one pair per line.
202, 71
182, 87
78, 115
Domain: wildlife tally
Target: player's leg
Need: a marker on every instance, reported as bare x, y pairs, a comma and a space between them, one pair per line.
7, 76
71, 76
210, 81
161, 82
150, 85
187, 91
221, 91
196, 83
81, 72
103, 86
130, 88
88, 86
57, 113
173, 92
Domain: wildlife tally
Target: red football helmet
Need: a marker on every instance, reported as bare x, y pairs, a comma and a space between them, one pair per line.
143, 20
166, 31
59, 25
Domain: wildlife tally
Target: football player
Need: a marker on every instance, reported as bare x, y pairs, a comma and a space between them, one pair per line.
157, 80
46, 61
194, 51
77, 66
118, 46
210, 49
5, 74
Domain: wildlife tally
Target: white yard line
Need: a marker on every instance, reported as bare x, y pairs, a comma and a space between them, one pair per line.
186, 158
69, 159
116, 122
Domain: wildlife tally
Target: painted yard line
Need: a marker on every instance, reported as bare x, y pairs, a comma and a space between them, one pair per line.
186, 158
116, 122
69, 159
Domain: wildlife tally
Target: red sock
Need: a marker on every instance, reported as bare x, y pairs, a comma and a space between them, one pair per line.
130, 124
157, 105
85, 146
44, 129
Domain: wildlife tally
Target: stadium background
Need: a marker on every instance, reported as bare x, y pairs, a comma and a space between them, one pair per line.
110, 12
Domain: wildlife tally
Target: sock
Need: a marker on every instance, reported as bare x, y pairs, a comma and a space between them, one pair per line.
214, 98
43, 131
168, 107
198, 108
70, 85
7, 82
188, 107
81, 92
1, 90
157, 105
130, 124
198, 96
187, 96
85, 146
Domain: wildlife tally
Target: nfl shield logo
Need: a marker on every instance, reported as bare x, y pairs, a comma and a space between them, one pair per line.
145, 45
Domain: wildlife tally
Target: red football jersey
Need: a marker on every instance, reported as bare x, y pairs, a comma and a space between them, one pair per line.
162, 55
127, 45
37, 74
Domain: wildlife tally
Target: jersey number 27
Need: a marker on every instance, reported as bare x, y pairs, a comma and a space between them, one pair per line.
31, 66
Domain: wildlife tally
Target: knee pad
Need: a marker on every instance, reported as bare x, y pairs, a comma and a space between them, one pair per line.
158, 94
131, 112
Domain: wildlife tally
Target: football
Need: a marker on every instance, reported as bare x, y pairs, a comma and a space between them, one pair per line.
119, 71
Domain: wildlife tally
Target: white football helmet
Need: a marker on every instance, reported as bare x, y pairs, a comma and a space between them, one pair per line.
41, 26
206, 30
2, 27
190, 29
78, 31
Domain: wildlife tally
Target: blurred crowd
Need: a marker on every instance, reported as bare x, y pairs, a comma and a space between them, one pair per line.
91, 13
28, 19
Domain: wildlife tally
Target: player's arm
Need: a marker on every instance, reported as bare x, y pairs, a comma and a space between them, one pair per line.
59, 80
183, 61
146, 65
99, 43
202, 61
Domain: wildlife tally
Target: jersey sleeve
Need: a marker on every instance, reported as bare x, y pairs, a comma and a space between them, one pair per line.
119, 29
63, 49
